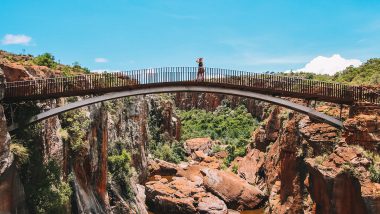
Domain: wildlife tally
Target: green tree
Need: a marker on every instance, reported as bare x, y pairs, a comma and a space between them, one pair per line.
120, 168
45, 59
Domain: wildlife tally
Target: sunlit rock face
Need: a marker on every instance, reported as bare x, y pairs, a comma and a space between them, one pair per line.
182, 196
363, 127
11, 189
209, 102
341, 179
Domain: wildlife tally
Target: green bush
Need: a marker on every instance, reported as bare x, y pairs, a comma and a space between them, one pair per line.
76, 123
20, 152
170, 152
235, 168
119, 166
232, 126
224, 124
374, 173
79, 69
368, 74
45, 59
161, 144
45, 191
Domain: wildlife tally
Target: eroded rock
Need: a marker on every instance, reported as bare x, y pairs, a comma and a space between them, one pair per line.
236, 192
182, 196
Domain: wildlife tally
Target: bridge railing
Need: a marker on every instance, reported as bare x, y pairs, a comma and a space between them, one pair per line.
108, 82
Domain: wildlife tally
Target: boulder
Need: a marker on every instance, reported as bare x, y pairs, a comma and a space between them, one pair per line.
161, 167
182, 196
251, 168
15, 72
193, 173
198, 144
236, 192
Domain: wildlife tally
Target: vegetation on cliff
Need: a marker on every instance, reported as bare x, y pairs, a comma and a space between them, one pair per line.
366, 74
45, 190
45, 59
232, 127
161, 144
75, 123
119, 166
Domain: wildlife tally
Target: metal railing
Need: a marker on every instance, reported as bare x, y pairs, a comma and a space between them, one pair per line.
118, 81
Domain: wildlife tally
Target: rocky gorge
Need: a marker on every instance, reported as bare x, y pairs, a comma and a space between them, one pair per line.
108, 157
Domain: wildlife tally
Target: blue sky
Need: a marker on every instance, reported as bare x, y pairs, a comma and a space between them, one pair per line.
253, 35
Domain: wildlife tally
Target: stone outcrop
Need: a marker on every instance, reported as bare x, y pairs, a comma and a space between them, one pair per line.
251, 168
339, 183
160, 167
268, 132
236, 192
363, 127
182, 196
12, 196
15, 72
194, 145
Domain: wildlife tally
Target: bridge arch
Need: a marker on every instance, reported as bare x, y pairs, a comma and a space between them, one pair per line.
178, 88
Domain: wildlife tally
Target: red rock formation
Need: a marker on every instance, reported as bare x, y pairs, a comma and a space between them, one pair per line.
268, 132
335, 183
251, 168
198, 144
182, 196
236, 192
12, 196
363, 127
160, 167
15, 72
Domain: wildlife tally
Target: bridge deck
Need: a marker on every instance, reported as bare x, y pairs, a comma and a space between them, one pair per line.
99, 83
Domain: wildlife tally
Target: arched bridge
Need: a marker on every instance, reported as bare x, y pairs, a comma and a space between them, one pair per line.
178, 79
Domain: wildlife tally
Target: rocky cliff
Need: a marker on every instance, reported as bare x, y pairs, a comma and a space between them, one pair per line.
94, 159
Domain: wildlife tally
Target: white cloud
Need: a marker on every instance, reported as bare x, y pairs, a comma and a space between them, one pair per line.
11, 39
101, 60
329, 65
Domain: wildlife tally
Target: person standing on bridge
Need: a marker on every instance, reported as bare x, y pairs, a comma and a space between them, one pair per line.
201, 70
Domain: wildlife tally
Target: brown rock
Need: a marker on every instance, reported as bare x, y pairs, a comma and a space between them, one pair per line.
319, 137
268, 133
15, 72
198, 144
211, 204
338, 189
161, 167
363, 130
193, 173
182, 196
236, 192
251, 168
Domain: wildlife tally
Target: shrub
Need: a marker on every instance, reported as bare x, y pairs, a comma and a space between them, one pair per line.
232, 126
374, 173
20, 152
235, 168
78, 68
223, 124
45, 59
121, 171
216, 148
76, 123
171, 153
53, 194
